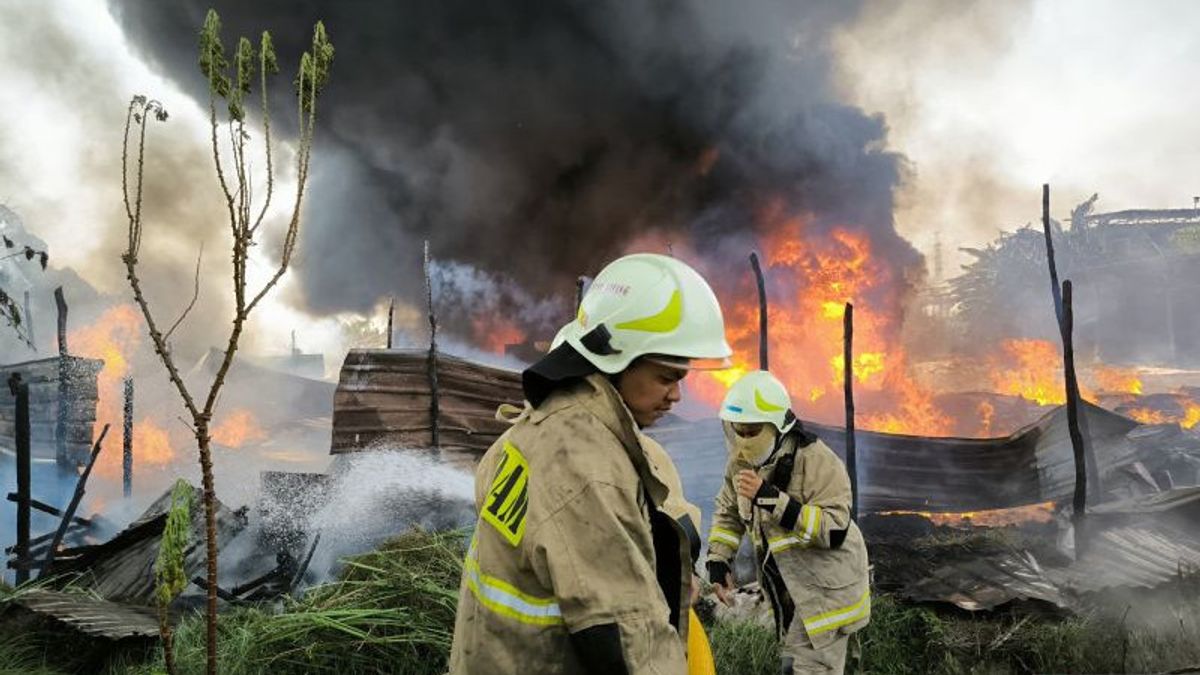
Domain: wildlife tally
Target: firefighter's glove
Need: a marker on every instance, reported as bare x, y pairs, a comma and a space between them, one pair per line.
718, 571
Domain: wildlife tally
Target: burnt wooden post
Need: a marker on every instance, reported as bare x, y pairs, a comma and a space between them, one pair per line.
391, 314
1054, 287
851, 450
1081, 477
432, 360
29, 323
1089, 458
69, 513
762, 312
20, 391
127, 442
64, 395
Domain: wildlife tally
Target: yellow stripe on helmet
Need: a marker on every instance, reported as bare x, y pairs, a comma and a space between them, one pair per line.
663, 322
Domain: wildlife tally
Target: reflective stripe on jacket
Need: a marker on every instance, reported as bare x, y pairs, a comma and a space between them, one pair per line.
565, 542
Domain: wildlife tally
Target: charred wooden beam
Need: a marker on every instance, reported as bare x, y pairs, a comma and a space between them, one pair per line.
21, 391
48, 509
36, 542
432, 360
1093, 470
762, 312
1054, 286
64, 393
75, 499
29, 323
127, 442
221, 592
848, 374
1081, 478
580, 283
299, 576
391, 317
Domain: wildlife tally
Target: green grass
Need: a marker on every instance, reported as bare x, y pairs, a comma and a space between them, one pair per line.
392, 611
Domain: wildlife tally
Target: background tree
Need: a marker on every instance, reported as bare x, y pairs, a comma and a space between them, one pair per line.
245, 218
10, 311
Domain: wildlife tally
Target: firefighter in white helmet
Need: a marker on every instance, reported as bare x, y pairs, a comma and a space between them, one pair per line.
575, 565
790, 492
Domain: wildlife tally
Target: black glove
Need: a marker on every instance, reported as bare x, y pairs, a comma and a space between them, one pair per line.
718, 571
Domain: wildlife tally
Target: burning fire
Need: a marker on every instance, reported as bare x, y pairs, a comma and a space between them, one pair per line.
496, 333
114, 337
1117, 380
1032, 513
811, 279
1185, 412
237, 429
151, 446
1031, 369
987, 413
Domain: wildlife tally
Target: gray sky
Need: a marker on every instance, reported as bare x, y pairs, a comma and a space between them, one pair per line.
990, 100
986, 100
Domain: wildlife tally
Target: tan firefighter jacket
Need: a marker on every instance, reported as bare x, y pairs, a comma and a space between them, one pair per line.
565, 542
812, 560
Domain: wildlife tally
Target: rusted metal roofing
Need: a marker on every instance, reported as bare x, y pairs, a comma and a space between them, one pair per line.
383, 399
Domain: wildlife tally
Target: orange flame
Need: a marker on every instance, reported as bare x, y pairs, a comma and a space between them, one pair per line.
151, 445
817, 276
1031, 369
987, 413
1191, 415
114, 337
496, 333
1117, 380
1186, 415
237, 429
1031, 513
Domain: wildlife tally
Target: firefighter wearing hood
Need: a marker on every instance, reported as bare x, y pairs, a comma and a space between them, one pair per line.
581, 561
791, 494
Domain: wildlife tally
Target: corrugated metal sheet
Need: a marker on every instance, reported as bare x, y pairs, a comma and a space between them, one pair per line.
897, 472
988, 582
1138, 543
383, 399
98, 618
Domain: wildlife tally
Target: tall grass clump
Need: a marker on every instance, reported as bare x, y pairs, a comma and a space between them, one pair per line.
744, 647
390, 611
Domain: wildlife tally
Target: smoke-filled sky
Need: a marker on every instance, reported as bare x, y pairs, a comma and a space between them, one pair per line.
531, 142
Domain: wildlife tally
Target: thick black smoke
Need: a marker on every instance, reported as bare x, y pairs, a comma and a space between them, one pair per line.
536, 140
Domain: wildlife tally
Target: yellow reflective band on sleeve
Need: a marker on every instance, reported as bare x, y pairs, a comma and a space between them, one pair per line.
777, 544
810, 515
725, 537
664, 322
503, 598
823, 623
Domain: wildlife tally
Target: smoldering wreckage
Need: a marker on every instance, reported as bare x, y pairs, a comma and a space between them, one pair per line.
433, 413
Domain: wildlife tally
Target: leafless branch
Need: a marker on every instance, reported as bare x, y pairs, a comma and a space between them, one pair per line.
195, 296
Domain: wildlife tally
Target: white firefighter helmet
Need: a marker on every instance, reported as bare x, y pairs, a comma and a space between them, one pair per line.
759, 396
648, 304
